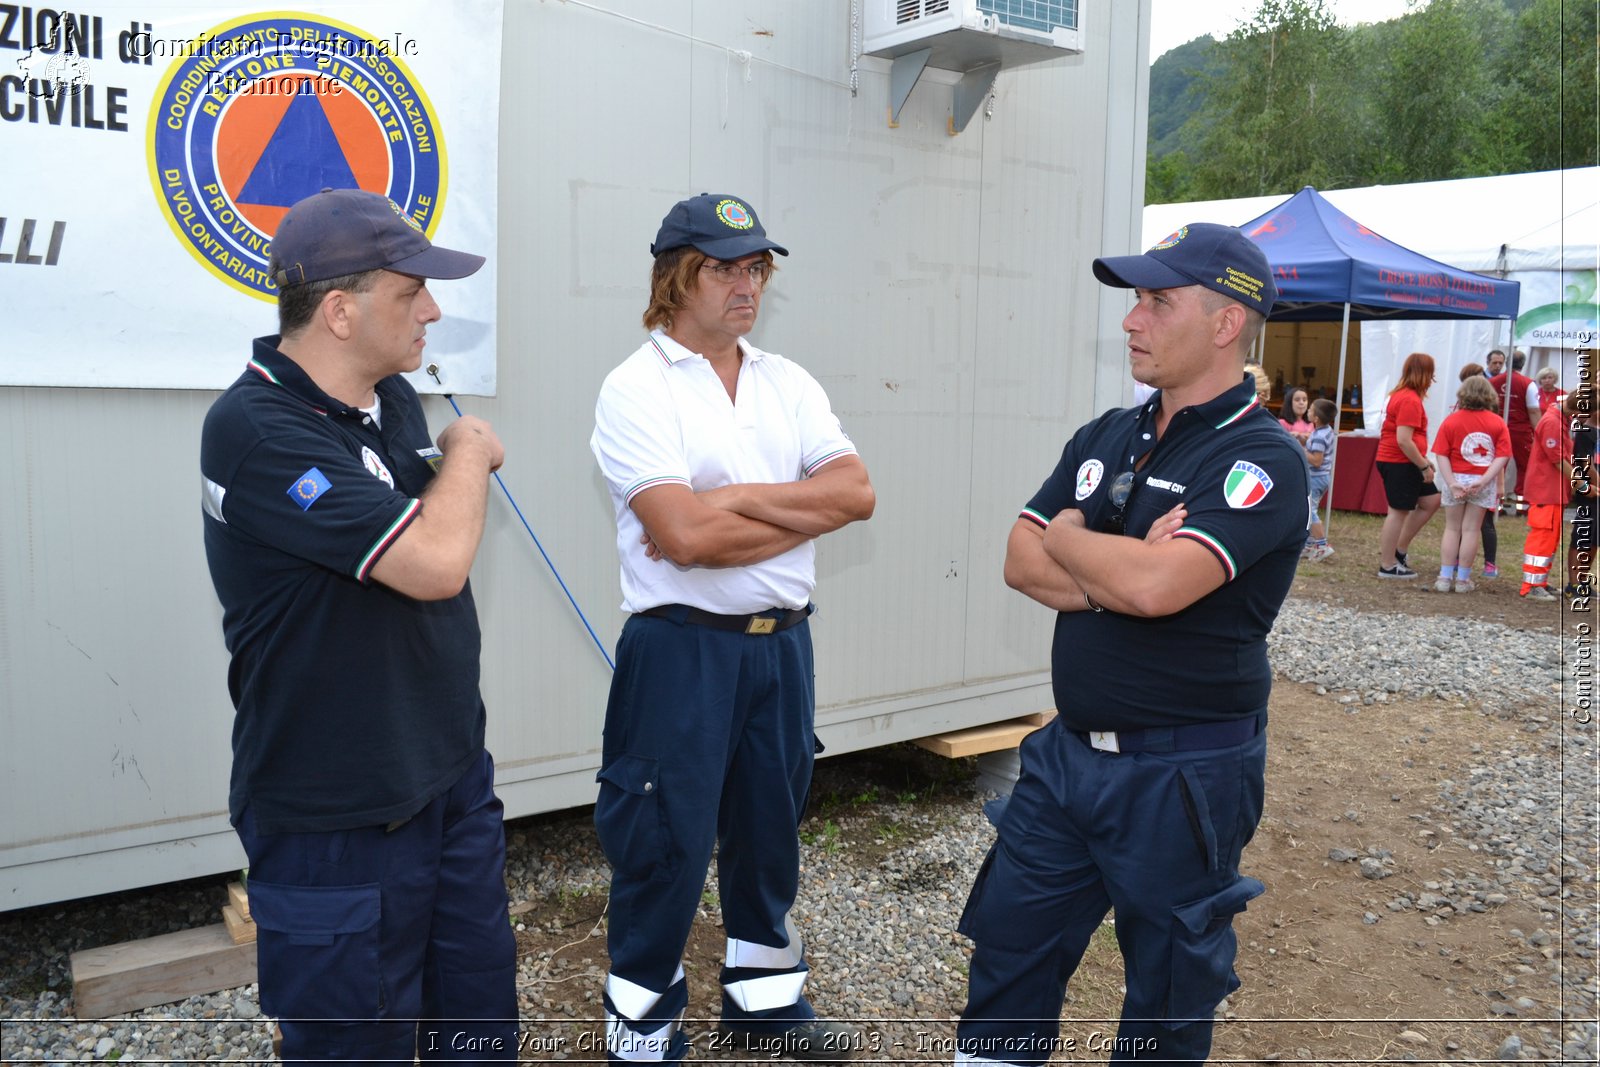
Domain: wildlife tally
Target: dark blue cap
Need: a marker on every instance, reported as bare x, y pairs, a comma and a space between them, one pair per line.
1221, 258
347, 231
721, 226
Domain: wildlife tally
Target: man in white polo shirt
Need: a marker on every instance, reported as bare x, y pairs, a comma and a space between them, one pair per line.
724, 463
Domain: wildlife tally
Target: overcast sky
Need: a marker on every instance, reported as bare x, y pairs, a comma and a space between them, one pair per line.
1175, 22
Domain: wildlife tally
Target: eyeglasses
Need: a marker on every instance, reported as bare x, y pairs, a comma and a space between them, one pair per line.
1119, 494
728, 273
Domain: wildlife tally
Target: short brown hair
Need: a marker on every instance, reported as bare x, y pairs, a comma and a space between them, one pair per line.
673, 277
1324, 411
1470, 370
298, 303
1476, 394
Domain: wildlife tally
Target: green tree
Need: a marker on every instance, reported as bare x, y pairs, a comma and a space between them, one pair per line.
1278, 106
1169, 179
1436, 95
1548, 109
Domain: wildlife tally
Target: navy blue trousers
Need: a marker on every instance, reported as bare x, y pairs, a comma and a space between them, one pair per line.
1154, 835
362, 933
709, 743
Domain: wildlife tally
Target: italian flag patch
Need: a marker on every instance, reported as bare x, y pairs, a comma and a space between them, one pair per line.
1247, 485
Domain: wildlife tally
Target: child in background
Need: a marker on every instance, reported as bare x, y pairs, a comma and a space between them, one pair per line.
1472, 448
1319, 456
1292, 416
1487, 534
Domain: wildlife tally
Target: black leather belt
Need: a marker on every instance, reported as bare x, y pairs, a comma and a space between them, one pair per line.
765, 622
1191, 738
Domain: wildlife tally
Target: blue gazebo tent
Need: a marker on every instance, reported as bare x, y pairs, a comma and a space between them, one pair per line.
1329, 267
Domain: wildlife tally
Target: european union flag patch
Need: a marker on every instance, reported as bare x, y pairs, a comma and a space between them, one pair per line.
308, 487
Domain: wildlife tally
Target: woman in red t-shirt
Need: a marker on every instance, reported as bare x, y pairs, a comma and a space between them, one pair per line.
1549, 392
1473, 446
1402, 463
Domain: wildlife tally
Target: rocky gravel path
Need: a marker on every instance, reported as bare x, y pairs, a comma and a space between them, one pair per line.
881, 934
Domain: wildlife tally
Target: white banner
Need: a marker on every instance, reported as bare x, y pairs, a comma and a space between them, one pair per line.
151, 149
1558, 309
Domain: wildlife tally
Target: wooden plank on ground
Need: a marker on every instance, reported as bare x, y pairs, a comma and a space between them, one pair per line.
977, 740
239, 899
240, 929
158, 970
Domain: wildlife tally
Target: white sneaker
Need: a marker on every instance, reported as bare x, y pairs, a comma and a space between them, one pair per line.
1540, 592
1442, 585
1317, 553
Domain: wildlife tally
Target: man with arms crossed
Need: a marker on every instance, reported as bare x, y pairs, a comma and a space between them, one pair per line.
724, 463
339, 540
1166, 540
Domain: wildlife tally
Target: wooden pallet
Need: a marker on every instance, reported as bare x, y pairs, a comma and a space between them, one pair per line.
976, 740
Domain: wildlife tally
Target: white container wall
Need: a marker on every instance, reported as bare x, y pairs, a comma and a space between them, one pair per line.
938, 287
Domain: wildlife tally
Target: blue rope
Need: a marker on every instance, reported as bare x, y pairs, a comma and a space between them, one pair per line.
512, 501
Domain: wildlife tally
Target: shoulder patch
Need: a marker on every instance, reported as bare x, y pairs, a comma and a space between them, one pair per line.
1090, 475
375, 466
1246, 485
308, 488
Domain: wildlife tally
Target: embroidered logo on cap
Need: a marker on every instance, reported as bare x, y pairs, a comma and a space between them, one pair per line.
413, 223
1171, 239
1089, 476
732, 213
309, 487
375, 466
1246, 485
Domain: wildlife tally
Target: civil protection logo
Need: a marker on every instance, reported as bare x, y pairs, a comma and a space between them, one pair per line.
1171, 239
270, 108
732, 213
1090, 472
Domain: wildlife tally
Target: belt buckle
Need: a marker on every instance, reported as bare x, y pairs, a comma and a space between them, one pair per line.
1104, 740
761, 625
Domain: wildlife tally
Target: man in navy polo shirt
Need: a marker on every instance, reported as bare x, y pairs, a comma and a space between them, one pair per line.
724, 463
1166, 539
339, 538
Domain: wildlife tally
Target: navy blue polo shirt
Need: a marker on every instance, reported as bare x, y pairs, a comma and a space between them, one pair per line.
355, 704
1245, 485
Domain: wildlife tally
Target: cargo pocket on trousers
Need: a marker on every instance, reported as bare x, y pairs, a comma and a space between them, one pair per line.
628, 819
1203, 949
971, 925
324, 964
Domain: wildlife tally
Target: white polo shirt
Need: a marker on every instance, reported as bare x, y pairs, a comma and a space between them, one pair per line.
663, 416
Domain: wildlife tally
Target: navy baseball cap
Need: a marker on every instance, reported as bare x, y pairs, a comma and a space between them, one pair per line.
721, 226
1221, 258
347, 231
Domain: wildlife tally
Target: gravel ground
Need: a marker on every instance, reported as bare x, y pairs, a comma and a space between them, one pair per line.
889, 930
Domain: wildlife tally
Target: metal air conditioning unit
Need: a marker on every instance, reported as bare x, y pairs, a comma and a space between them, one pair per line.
975, 38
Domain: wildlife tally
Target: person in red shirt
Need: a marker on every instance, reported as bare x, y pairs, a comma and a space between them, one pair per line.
1549, 391
1550, 489
1472, 448
1402, 463
1521, 411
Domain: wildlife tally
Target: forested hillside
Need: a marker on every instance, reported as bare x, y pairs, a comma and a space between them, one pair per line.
1456, 89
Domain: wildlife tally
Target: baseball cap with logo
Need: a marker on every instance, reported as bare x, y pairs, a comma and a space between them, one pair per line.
721, 226
1221, 258
347, 231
